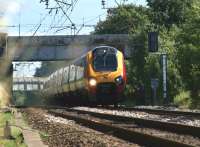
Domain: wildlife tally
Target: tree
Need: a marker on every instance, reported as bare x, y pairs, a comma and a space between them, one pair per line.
188, 50
169, 12
122, 20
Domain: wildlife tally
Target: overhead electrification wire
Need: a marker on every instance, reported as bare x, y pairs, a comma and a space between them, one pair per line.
40, 24
64, 6
96, 17
57, 24
64, 12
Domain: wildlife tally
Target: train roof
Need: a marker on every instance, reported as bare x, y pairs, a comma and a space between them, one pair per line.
102, 46
73, 61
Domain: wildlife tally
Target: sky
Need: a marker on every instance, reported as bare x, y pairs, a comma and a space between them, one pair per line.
31, 13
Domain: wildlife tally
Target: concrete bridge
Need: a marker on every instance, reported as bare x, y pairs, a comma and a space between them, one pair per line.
46, 48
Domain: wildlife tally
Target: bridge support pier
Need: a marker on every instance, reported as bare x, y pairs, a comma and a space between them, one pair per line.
6, 71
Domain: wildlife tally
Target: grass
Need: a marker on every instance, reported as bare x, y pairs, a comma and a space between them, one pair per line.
183, 99
17, 137
44, 136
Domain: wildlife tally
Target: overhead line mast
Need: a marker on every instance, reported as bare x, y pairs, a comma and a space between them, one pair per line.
64, 6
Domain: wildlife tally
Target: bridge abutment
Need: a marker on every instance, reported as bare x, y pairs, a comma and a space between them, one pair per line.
6, 71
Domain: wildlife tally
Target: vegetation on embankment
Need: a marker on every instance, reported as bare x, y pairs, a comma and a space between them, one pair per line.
27, 98
16, 138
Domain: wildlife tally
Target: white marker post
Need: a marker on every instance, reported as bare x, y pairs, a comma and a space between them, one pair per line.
164, 66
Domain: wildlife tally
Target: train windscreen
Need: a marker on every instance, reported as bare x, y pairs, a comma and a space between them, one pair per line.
104, 59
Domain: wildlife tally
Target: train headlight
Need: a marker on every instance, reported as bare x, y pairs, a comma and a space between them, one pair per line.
119, 80
92, 82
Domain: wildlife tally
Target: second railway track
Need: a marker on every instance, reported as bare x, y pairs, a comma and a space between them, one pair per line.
130, 128
158, 111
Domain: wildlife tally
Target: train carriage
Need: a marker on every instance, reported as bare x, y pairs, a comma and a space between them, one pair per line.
99, 77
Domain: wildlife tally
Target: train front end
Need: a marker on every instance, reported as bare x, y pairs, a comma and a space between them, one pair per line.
106, 75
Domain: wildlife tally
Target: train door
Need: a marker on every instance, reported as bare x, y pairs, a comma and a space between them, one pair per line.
80, 73
50, 89
55, 83
47, 86
60, 73
65, 81
72, 77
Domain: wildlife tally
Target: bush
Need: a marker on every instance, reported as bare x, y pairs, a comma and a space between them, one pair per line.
183, 99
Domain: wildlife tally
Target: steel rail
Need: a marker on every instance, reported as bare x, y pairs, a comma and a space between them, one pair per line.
123, 133
165, 126
147, 110
153, 111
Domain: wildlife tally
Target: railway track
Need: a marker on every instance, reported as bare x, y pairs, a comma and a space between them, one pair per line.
129, 128
189, 118
153, 111
122, 108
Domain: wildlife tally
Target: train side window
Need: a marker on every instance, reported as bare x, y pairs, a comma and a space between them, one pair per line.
80, 73
84, 61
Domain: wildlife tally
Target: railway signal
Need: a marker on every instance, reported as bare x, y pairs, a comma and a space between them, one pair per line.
153, 41
153, 47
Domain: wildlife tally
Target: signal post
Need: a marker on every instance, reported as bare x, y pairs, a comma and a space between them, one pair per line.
153, 48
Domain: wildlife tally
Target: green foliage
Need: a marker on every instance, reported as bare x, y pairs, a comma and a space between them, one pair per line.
188, 51
168, 46
169, 12
152, 70
17, 140
19, 98
137, 61
5, 117
18, 136
44, 135
28, 98
122, 20
183, 99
